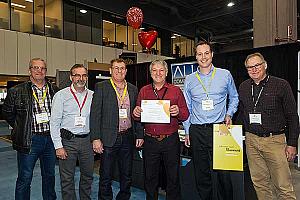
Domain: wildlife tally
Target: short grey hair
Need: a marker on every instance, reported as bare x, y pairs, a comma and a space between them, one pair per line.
159, 62
254, 55
37, 59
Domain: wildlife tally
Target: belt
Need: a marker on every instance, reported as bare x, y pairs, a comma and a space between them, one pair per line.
81, 136
158, 137
68, 135
123, 132
268, 134
45, 133
206, 125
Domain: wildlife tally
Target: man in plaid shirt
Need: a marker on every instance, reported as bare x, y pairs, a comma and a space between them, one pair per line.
27, 109
269, 114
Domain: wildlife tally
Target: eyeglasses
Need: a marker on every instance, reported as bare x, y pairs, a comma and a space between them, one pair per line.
119, 68
256, 66
84, 76
36, 68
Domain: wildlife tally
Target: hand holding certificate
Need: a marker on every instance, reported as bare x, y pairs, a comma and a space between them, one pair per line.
155, 111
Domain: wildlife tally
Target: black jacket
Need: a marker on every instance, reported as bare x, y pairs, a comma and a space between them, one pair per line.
17, 110
104, 118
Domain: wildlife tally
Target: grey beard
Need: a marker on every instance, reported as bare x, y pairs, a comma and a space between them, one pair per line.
80, 84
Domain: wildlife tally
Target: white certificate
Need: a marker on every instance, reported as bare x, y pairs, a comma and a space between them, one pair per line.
155, 111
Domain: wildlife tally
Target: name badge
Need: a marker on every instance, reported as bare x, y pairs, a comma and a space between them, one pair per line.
255, 118
42, 118
207, 104
123, 113
80, 121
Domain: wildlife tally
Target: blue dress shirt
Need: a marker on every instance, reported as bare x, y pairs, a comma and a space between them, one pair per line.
221, 86
65, 109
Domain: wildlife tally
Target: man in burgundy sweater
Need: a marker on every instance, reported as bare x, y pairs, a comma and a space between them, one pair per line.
161, 139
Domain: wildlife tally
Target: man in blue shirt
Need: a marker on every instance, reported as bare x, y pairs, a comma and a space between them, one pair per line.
206, 92
69, 129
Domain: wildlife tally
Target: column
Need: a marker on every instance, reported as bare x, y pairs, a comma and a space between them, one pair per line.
271, 19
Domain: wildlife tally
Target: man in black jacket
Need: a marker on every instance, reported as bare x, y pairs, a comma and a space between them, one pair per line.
112, 129
27, 110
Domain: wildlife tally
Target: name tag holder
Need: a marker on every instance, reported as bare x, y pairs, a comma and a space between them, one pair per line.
123, 113
207, 104
255, 118
42, 118
80, 121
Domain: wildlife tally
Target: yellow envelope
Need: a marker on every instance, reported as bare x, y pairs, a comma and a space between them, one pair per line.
228, 147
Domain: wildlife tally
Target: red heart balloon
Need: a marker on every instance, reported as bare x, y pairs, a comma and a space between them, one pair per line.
135, 17
147, 39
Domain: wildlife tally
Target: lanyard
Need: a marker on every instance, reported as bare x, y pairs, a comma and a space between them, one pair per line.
121, 98
43, 98
157, 96
202, 84
252, 93
75, 97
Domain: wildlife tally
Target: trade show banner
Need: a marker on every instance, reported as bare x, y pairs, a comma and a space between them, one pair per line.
228, 147
181, 70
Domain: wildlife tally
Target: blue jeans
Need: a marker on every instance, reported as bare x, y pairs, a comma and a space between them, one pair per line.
122, 151
41, 148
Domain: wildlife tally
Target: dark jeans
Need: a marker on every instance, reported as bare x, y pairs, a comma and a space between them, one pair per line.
211, 184
122, 150
41, 148
169, 151
81, 149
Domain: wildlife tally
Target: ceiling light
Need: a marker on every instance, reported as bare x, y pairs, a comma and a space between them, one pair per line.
230, 4
18, 5
173, 37
177, 35
30, 1
47, 26
83, 11
107, 21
